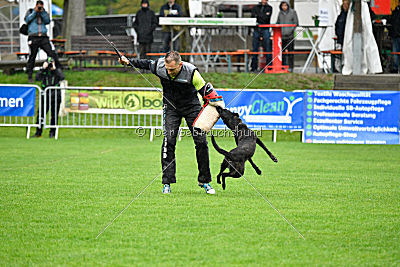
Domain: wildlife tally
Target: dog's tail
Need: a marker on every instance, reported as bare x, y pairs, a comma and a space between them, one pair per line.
220, 150
261, 144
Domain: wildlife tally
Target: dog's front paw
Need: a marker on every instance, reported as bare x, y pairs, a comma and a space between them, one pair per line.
218, 180
275, 159
258, 171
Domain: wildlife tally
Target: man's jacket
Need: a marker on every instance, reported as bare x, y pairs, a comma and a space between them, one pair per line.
174, 11
287, 17
178, 91
395, 21
37, 22
145, 24
263, 13
340, 26
50, 77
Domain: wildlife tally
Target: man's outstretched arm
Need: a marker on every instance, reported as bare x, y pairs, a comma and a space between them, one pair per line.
145, 64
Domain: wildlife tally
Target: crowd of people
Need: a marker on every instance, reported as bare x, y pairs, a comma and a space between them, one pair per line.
146, 22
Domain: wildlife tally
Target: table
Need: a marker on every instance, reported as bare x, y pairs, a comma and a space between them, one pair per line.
315, 45
202, 34
59, 45
277, 66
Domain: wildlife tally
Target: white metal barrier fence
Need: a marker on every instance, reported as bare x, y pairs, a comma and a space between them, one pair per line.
22, 121
98, 107
104, 107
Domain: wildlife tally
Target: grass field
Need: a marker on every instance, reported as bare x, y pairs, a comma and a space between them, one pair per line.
57, 195
289, 81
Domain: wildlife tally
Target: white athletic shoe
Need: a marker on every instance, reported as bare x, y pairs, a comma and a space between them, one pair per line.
166, 189
208, 188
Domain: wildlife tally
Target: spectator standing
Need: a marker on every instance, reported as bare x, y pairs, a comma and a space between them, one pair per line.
37, 18
170, 9
145, 23
263, 13
395, 34
287, 15
340, 24
49, 75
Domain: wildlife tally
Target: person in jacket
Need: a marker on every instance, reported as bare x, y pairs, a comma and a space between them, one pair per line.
181, 82
287, 15
170, 9
262, 12
49, 75
145, 23
37, 18
395, 34
340, 24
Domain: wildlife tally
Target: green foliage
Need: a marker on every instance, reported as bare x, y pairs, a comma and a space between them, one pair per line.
132, 6
96, 10
59, 3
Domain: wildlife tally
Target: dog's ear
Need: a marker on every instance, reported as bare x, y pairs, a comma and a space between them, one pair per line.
236, 114
219, 109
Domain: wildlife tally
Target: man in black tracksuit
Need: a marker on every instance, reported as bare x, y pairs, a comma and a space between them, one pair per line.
145, 23
181, 81
263, 13
49, 75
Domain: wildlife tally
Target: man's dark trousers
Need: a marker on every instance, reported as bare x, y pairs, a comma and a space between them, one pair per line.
172, 121
54, 104
144, 48
43, 43
266, 44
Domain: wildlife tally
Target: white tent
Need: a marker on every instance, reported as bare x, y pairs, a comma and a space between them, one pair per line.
371, 62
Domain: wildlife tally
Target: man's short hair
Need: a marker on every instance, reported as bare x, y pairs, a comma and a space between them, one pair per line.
173, 56
39, 2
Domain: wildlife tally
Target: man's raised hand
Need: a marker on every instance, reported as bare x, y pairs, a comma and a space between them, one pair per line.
123, 60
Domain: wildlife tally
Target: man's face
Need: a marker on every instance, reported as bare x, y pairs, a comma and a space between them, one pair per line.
145, 5
264, 2
346, 5
39, 6
284, 6
171, 2
173, 68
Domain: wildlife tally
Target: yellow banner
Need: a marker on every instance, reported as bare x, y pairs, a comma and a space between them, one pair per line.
126, 101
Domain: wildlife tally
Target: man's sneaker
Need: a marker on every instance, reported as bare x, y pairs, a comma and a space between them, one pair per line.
37, 135
208, 188
166, 189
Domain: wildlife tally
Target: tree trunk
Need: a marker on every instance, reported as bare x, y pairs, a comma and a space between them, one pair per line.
74, 20
65, 20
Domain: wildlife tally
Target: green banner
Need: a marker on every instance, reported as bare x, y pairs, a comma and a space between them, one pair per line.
129, 101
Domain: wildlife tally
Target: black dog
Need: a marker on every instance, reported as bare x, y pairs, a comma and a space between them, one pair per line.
246, 141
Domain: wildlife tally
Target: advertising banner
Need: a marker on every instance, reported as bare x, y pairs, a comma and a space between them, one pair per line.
351, 117
263, 109
17, 101
118, 102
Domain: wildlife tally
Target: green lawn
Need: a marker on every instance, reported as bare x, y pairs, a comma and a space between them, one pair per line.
289, 82
57, 195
